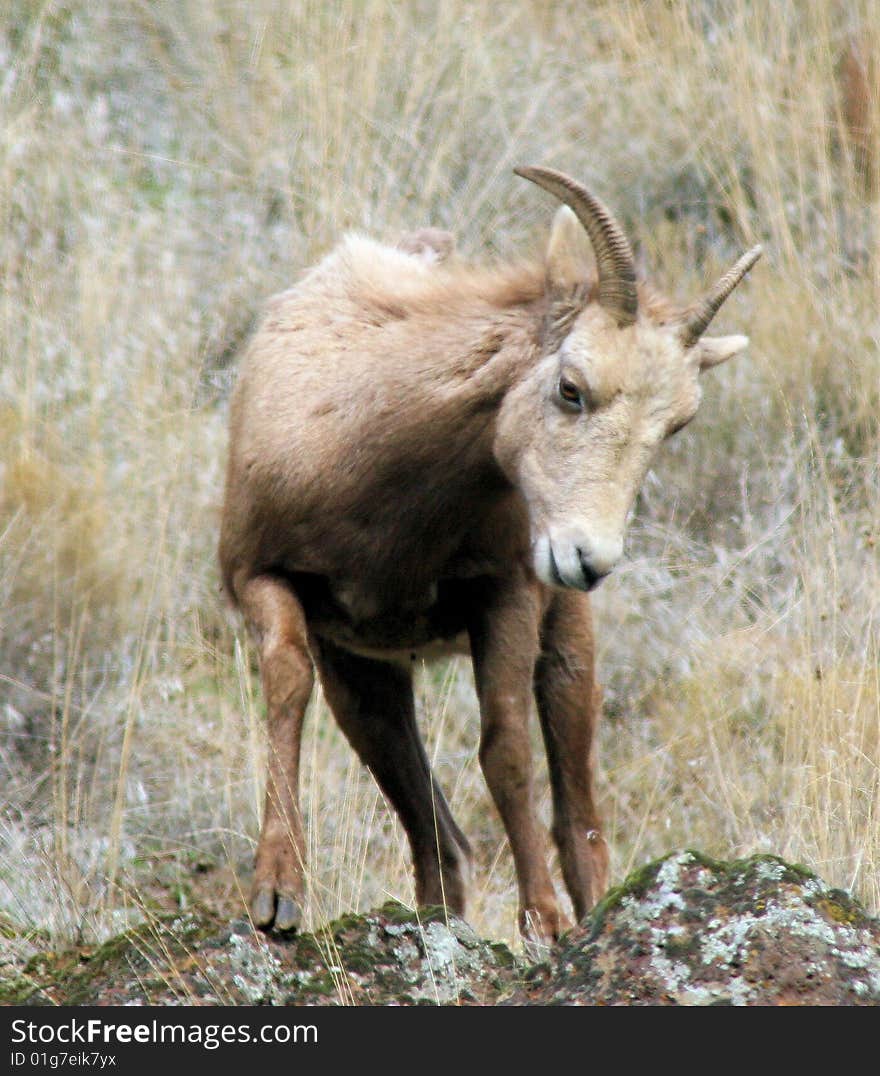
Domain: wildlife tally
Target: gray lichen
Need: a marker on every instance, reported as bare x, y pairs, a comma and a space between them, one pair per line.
683, 930
689, 930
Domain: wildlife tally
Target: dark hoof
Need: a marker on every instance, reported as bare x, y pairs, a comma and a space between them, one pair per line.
263, 907
271, 911
288, 914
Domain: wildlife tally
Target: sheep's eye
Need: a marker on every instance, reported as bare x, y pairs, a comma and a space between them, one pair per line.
569, 393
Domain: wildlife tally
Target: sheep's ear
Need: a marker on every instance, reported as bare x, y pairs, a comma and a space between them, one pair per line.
430, 244
569, 256
713, 350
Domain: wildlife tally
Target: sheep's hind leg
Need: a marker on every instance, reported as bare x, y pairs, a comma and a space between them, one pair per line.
372, 702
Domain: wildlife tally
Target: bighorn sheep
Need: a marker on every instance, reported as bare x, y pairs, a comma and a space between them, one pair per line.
428, 458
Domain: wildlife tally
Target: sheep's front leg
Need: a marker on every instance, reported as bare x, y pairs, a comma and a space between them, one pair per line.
568, 704
276, 618
504, 647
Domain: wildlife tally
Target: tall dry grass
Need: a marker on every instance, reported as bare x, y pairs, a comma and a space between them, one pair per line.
165, 166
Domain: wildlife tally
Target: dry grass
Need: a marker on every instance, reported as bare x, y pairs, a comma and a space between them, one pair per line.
165, 166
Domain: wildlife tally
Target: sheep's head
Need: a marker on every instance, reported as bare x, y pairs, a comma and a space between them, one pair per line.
613, 382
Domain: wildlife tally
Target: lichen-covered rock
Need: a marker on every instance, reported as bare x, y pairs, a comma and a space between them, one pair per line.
394, 956
391, 956
687, 930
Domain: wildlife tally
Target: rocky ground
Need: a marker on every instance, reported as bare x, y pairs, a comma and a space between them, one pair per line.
684, 930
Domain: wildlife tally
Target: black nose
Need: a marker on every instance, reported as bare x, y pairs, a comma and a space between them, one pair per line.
592, 578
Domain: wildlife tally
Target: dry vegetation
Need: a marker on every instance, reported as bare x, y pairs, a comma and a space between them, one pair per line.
167, 164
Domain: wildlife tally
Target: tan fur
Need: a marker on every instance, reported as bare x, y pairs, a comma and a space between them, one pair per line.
404, 478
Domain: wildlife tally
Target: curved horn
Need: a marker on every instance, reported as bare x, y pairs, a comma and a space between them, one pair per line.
698, 320
614, 256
